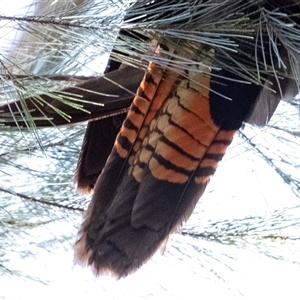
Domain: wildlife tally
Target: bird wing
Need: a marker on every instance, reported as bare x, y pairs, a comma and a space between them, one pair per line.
97, 98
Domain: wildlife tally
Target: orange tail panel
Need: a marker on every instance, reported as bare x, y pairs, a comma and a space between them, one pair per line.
163, 157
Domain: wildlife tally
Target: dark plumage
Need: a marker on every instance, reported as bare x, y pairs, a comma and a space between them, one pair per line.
178, 128
211, 65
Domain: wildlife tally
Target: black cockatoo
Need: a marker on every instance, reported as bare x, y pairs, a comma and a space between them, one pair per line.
192, 99
192, 72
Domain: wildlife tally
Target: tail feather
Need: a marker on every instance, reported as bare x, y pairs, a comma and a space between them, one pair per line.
177, 130
155, 173
98, 141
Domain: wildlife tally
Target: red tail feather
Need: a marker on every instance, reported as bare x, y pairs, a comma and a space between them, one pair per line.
163, 157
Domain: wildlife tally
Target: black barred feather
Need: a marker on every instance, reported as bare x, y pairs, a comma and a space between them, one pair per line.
146, 192
191, 101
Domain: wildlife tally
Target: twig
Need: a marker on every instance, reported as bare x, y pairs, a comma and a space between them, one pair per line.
32, 199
